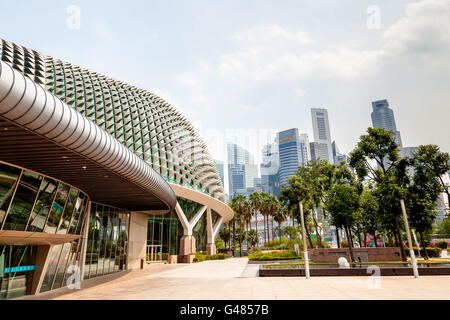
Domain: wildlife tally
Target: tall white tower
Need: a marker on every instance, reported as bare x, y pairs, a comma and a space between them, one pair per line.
322, 135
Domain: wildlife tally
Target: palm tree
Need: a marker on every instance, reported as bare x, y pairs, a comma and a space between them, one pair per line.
273, 205
255, 200
265, 199
247, 214
280, 216
238, 204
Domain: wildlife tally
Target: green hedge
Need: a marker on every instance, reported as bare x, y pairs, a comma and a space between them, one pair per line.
274, 255
443, 244
199, 257
432, 252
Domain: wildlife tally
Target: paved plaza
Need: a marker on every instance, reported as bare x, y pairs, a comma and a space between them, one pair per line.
234, 279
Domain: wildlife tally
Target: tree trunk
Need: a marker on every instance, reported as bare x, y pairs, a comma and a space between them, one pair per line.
359, 237
256, 222
318, 237
309, 236
273, 233
365, 239
279, 231
399, 235
337, 238
375, 239
350, 245
422, 240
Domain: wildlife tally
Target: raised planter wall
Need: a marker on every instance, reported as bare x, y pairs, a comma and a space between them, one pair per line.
360, 254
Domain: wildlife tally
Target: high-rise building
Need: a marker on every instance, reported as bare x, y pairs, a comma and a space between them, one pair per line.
337, 156
322, 135
270, 166
383, 117
220, 170
294, 151
242, 170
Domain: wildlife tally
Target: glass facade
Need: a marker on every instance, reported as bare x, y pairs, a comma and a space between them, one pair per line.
16, 270
33, 202
107, 241
165, 231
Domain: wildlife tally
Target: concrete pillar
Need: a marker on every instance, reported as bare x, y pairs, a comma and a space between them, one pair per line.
211, 239
137, 239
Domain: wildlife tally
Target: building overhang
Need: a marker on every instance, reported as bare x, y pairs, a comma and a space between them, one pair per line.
41, 133
218, 206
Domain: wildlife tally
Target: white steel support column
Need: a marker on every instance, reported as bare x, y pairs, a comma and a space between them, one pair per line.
187, 242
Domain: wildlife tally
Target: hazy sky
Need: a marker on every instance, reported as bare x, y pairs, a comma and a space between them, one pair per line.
248, 68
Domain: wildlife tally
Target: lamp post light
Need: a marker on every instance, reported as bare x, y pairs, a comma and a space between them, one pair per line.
305, 248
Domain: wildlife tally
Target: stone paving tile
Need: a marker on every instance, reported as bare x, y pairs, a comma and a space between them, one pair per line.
222, 280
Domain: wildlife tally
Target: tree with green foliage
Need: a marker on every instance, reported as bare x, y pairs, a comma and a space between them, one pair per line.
225, 234
342, 204
255, 201
388, 176
291, 232
280, 216
368, 214
252, 237
238, 204
430, 165
444, 227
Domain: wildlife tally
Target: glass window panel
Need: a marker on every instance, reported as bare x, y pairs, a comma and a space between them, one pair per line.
73, 259
57, 208
68, 210
23, 201
43, 204
108, 241
101, 242
51, 268
82, 216
8, 180
90, 253
62, 265
14, 284
76, 213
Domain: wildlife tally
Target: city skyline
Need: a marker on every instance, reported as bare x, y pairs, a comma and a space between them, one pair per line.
238, 67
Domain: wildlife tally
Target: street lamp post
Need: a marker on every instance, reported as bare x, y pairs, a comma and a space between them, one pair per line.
305, 248
408, 235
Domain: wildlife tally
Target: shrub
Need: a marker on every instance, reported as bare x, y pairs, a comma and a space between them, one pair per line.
199, 257
274, 255
432, 252
443, 245
344, 244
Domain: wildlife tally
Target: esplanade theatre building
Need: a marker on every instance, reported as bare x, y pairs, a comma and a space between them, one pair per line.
95, 175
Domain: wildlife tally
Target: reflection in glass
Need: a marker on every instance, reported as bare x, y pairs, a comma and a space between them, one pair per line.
68, 210
107, 237
76, 213
23, 201
43, 204
57, 208
51, 268
8, 180
15, 283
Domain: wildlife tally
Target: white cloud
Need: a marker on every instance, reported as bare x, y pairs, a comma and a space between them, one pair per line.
423, 32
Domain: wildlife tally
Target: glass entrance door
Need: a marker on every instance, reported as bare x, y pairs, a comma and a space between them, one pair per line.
16, 270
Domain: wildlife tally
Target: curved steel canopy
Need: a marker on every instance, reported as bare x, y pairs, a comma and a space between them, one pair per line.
40, 132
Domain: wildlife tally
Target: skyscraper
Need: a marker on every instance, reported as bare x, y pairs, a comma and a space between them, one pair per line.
383, 117
270, 166
242, 170
294, 151
321, 130
220, 170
